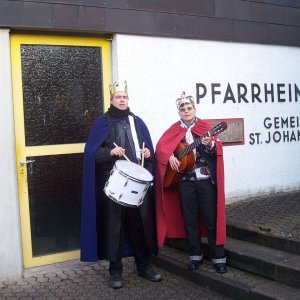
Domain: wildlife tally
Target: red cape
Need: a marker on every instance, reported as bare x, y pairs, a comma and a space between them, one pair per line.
168, 212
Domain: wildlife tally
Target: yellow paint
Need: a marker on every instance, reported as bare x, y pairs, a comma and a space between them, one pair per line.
23, 152
52, 259
54, 149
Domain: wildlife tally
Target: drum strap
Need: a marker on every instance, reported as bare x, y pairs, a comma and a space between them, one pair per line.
134, 137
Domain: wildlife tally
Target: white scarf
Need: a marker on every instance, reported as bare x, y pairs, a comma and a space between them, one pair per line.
188, 135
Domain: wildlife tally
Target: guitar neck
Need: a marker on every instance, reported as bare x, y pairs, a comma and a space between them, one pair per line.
197, 140
190, 147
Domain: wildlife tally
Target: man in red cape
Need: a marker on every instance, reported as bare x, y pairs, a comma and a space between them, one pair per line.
173, 217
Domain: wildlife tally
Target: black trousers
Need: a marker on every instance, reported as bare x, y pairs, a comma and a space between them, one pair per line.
132, 232
200, 198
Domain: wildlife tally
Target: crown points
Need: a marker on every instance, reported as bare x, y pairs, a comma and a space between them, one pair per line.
118, 86
183, 99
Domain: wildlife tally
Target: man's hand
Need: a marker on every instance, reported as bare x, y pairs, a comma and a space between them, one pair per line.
206, 141
117, 151
146, 152
174, 163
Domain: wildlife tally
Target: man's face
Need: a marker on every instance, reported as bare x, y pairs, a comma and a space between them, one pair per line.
187, 113
120, 100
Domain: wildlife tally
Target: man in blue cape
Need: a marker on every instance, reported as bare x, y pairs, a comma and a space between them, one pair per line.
110, 230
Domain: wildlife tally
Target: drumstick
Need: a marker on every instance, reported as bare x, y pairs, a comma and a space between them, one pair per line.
143, 155
123, 154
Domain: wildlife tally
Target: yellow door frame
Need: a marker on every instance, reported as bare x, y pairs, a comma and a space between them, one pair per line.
23, 151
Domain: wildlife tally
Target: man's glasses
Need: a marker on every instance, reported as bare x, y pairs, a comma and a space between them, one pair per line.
183, 109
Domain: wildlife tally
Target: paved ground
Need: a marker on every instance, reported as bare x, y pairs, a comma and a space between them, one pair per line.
76, 280
276, 215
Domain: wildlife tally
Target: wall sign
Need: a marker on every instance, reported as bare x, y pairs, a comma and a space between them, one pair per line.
234, 134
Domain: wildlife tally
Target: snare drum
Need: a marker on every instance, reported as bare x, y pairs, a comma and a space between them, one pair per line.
128, 183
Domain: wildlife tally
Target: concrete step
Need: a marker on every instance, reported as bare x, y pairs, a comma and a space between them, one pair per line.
261, 235
236, 284
271, 263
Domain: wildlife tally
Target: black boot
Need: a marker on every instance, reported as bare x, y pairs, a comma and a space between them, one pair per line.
220, 264
221, 268
149, 273
194, 264
115, 281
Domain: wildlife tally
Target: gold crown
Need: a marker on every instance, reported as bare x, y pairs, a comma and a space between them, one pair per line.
184, 100
118, 87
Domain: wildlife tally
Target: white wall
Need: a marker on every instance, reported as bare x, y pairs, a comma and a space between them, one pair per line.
159, 69
10, 245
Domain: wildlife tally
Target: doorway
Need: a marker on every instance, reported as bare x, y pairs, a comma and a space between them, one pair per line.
59, 84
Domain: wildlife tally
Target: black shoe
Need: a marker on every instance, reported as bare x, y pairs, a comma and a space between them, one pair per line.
221, 268
149, 273
194, 264
115, 281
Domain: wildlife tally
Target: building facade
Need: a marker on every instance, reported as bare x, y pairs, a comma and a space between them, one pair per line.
238, 58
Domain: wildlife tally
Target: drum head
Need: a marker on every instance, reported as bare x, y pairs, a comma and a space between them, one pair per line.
133, 170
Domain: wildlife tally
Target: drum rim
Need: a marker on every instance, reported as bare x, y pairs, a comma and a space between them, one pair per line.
123, 203
133, 178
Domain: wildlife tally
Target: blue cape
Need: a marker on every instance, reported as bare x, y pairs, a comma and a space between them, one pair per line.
98, 134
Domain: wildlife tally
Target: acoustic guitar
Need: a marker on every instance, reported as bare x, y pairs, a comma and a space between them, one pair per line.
186, 157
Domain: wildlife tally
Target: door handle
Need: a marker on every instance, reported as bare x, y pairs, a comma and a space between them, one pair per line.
30, 166
29, 161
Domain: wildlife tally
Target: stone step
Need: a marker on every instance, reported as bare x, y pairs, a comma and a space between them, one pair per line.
261, 236
271, 263
236, 284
